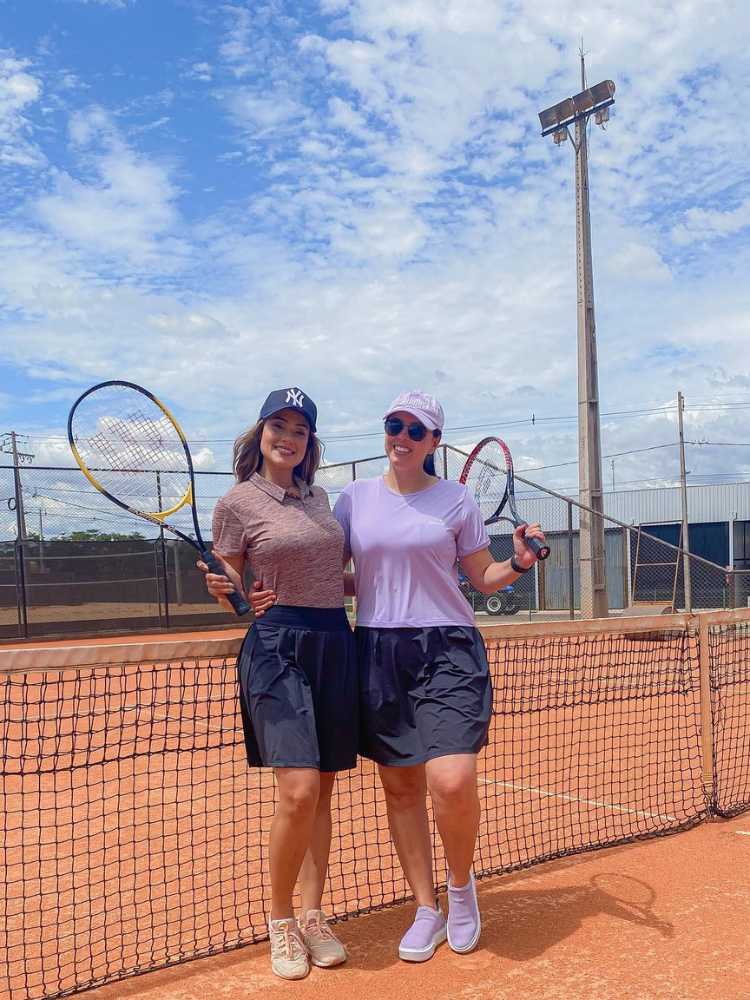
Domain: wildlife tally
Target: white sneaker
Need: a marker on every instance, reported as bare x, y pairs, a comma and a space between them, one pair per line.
289, 958
324, 947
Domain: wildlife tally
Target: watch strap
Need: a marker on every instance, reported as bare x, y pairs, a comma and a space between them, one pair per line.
515, 567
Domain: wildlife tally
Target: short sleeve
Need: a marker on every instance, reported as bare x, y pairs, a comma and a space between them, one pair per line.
320, 494
472, 535
228, 530
342, 511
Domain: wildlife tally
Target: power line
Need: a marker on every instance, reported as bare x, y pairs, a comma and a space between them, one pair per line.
721, 444
616, 454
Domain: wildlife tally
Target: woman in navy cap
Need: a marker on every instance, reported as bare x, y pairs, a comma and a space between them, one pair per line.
297, 667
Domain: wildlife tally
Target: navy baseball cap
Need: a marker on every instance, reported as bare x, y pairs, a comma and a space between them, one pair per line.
290, 399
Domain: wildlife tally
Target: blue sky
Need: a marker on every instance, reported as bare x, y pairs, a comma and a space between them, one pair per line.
217, 199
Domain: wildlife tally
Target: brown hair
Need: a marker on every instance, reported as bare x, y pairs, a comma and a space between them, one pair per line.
248, 458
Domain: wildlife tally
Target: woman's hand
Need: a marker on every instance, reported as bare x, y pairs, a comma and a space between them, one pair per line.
261, 600
526, 556
219, 586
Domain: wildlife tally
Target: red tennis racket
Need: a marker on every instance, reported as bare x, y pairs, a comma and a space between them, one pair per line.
488, 474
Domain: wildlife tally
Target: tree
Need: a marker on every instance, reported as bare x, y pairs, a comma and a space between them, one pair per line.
92, 535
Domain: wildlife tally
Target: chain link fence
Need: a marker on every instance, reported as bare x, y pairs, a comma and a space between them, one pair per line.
72, 563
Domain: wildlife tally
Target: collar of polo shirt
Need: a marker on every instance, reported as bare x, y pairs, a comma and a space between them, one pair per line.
278, 492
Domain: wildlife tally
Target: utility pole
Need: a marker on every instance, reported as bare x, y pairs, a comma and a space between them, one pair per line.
557, 121
9, 445
685, 543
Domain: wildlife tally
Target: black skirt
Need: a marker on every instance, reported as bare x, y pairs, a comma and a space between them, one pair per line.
424, 693
298, 689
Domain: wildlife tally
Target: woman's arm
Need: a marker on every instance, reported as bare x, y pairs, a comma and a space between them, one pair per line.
487, 576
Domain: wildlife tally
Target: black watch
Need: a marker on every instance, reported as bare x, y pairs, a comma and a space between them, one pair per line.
515, 567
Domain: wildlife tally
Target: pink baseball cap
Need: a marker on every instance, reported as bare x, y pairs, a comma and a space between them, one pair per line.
422, 406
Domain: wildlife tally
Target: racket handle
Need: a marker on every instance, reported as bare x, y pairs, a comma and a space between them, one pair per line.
540, 551
238, 602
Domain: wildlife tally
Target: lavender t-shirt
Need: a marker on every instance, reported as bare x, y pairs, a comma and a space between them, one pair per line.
405, 551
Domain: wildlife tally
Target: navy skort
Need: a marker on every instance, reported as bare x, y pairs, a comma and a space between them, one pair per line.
424, 693
299, 689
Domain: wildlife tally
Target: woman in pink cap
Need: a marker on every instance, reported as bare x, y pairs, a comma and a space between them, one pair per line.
425, 690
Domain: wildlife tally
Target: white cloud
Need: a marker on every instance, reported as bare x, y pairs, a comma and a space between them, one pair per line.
263, 113
702, 224
126, 211
115, 4
201, 71
19, 91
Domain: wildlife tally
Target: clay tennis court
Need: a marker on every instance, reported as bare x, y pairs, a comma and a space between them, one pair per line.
135, 832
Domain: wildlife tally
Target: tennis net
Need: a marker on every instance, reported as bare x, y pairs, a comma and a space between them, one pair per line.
135, 834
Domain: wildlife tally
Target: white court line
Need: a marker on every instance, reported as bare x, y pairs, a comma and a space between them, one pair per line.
573, 798
742, 833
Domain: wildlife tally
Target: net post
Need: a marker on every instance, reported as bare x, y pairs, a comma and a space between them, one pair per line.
707, 733
445, 461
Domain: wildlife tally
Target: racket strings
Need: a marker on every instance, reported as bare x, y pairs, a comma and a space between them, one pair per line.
135, 454
488, 482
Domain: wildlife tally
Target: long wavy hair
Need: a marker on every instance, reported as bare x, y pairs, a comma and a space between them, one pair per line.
249, 459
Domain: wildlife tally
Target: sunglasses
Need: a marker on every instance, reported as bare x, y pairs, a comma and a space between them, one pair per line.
394, 426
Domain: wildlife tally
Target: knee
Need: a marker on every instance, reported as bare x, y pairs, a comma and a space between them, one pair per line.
403, 794
299, 801
454, 791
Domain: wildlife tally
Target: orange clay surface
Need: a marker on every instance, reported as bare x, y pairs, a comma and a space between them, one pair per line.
666, 919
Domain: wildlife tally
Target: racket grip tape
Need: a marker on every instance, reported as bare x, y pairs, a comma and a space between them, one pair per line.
238, 602
540, 551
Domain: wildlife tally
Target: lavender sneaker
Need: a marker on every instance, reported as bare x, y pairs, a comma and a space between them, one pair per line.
464, 922
424, 935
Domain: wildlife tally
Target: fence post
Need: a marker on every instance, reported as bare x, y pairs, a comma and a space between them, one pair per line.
731, 588
21, 594
571, 570
21, 602
164, 568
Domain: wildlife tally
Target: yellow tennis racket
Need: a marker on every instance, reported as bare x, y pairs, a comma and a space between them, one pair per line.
133, 451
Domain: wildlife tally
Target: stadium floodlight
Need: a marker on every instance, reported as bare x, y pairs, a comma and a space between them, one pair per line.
573, 109
556, 121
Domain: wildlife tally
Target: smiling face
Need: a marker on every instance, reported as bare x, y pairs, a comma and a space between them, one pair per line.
405, 453
284, 439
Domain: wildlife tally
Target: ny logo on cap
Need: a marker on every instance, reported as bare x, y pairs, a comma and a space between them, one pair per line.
295, 396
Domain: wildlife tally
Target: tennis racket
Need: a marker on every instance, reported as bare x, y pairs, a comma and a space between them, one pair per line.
131, 449
488, 474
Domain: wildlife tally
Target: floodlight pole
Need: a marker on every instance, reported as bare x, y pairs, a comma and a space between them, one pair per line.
594, 603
